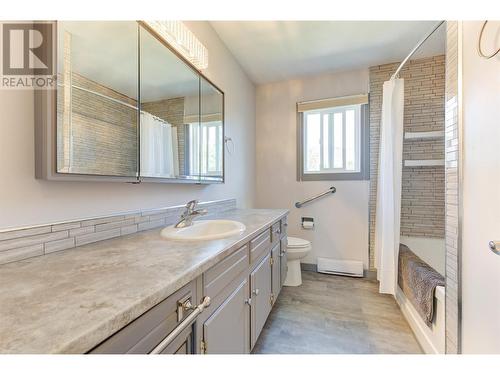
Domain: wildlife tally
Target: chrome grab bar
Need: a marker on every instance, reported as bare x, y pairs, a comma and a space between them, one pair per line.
185, 323
495, 247
329, 191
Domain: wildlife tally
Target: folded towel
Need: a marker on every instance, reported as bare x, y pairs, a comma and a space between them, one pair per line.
418, 281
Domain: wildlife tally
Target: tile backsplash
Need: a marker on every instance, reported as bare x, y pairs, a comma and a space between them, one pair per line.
23, 243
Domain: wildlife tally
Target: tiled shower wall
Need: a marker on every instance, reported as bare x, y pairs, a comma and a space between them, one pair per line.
423, 188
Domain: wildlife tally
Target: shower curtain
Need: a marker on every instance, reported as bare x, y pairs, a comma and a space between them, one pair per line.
387, 221
157, 147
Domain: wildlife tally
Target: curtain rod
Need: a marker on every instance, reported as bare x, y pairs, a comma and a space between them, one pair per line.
395, 75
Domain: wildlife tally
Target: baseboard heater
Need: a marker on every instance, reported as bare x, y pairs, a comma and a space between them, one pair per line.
352, 268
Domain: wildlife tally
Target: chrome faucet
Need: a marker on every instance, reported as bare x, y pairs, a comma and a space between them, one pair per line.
189, 214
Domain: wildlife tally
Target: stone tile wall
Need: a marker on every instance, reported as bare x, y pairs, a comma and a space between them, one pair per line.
422, 200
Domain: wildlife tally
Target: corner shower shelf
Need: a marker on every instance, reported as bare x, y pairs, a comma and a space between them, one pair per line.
424, 163
424, 135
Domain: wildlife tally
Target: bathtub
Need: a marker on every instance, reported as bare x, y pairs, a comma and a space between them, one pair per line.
432, 340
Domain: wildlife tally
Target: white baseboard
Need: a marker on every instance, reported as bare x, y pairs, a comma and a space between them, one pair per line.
432, 340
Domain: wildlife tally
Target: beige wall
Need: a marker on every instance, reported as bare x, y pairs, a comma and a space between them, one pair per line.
481, 192
341, 220
25, 200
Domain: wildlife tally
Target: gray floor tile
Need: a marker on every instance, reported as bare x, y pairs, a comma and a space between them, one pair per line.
335, 315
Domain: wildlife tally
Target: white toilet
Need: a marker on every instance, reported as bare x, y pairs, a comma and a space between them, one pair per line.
297, 249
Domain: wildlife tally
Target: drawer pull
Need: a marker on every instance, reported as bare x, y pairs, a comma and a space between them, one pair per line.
256, 292
183, 306
185, 323
248, 301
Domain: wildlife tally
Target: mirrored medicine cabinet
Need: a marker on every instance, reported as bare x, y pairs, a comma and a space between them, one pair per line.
129, 108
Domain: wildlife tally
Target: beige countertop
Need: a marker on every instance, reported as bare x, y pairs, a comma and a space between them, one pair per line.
70, 301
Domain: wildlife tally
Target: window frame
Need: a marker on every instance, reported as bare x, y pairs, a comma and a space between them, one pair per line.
364, 151
195, 144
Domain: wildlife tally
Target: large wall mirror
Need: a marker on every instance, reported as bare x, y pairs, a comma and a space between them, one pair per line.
97, 98
211, 132
128, 107
170, 91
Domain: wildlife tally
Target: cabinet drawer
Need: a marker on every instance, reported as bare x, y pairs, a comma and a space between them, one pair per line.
259, 245
148, 330
220, 275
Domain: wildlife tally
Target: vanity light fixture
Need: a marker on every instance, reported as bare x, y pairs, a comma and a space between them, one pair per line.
183, 40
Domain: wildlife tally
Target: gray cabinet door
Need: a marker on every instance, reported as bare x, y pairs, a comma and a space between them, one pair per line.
226, 331
276, 271
260, 293
283, 261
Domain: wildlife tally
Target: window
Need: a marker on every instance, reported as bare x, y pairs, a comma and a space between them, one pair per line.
205, 148
332, 142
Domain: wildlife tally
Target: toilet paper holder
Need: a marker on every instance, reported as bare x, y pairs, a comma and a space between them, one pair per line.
308, 223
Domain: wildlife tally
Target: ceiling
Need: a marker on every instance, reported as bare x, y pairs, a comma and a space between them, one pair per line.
278, 50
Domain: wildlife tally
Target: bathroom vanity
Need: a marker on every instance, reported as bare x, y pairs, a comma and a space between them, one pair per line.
133, 293
242, 289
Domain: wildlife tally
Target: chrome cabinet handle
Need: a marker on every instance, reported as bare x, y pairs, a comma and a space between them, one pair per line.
248, 301
255, 292
185, 323
495, 247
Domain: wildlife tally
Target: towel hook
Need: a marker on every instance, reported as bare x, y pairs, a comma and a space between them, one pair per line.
479, 50
227, 142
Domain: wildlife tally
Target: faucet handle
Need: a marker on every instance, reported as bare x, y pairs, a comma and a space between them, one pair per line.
191, 205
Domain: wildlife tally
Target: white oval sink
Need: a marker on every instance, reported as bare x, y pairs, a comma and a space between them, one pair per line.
204, 230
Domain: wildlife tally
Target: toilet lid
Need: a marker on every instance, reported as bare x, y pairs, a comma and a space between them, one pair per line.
294, 242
